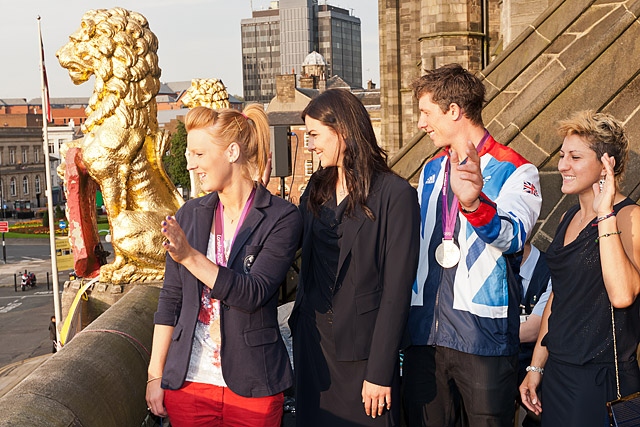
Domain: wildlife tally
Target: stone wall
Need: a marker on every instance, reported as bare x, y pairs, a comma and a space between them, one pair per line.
98, 379
579, 54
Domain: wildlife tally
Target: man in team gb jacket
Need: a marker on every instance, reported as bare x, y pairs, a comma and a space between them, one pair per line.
479, 201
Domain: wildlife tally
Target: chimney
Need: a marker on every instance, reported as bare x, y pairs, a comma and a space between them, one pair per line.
286, 87
322, 84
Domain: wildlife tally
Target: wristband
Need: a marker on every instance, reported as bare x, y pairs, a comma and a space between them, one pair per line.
602, 218
153, 379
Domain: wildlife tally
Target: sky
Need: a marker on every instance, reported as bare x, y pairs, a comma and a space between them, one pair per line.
197, 39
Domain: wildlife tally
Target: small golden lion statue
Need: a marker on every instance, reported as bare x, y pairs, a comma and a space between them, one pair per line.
122, 146
209, 93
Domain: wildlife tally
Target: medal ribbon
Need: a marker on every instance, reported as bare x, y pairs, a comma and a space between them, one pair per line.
450, 214
221, 258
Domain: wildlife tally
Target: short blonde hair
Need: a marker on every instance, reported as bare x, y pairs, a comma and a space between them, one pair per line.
603, 134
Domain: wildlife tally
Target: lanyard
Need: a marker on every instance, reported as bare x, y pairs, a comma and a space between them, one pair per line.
221, 258
450, 214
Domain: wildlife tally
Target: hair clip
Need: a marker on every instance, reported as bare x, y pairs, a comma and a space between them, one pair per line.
238, 124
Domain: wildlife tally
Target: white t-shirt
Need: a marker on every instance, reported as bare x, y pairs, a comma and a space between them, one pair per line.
205, 365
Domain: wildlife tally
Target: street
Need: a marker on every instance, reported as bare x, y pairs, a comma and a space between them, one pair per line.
25, 315
19, 250
24, 323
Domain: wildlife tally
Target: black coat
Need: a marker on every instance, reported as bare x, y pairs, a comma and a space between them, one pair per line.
255, 362
376, 270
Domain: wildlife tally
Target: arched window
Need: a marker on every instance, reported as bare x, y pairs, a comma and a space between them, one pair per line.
37, 184
25, 185
12, 185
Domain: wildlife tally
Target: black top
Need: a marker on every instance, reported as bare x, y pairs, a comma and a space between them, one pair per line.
327, 231
580, 330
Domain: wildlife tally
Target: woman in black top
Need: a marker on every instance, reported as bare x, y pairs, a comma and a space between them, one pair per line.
594, 261
359, 260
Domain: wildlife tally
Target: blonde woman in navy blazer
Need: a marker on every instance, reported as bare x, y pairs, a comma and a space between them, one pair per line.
218, 357
359, 260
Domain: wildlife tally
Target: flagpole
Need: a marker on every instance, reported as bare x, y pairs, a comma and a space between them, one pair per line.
46, 111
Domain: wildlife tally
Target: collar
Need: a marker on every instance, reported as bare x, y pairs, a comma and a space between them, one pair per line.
529, 265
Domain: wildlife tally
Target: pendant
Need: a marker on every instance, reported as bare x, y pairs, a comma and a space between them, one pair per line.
447, 254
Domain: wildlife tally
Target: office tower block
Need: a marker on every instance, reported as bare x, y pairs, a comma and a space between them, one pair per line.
340, 44
277, 41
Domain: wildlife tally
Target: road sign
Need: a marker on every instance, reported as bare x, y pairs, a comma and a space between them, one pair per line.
62, 225
4, 226
64, 254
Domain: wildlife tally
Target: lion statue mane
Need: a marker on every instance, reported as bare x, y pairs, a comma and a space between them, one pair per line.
122, 146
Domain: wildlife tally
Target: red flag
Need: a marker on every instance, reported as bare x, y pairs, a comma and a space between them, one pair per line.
46, 105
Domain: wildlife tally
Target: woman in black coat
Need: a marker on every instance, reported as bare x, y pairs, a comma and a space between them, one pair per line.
359, 259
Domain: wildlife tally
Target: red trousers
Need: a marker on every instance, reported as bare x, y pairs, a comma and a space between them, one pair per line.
206, 405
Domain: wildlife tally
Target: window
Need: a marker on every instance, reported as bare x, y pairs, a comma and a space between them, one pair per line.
36, 154
37, 184
308, 167
25, 156
25, 185
12, 156
12, 185
306, 140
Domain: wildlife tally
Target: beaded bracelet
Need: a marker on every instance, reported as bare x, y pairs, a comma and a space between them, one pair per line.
602, 218
607, 235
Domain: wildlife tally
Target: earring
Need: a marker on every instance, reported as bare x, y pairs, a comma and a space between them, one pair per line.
601, 184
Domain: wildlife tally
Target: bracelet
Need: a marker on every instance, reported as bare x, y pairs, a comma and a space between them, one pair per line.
602, 218
607, 235
537, 369
468, 212
153, 379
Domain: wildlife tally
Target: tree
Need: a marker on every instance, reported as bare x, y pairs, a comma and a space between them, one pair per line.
175, 162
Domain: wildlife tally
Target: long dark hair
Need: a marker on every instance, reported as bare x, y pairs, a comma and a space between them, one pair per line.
363, 158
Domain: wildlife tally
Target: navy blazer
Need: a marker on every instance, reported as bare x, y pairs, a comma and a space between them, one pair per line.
255, 362
377, 266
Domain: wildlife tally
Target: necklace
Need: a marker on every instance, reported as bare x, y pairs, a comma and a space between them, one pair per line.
581, 220
342, 192
231, 220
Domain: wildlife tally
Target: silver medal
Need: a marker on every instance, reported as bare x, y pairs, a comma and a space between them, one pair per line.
447, 254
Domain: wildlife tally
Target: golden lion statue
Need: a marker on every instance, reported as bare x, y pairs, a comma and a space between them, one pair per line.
209, 93
122, 146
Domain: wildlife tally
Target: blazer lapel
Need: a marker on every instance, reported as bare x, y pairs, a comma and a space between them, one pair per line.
203, 220
350, 226
253, 218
